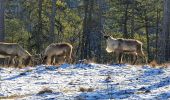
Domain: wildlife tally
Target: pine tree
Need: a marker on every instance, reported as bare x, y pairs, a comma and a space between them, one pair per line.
2, 26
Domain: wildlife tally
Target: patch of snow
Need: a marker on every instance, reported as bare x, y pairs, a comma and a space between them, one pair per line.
68, 81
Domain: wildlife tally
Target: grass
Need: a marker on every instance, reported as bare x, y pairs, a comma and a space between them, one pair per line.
153, 63
14, 97
82, 89
45, 90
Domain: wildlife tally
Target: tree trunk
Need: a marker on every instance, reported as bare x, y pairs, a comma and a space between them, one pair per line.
133, 20
2, 24
52, 20
91, 40
38, 42
125, 33
166, 30
84, 36
99, 32
147, 36
89, 29
164, 36
157, 31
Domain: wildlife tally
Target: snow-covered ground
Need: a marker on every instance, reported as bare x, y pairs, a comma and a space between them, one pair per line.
85, 82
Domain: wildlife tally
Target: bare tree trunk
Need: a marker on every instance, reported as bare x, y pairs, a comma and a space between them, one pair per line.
87, 28
165, 35
91, 40
125, 33
84, 36
99, 32
147, 35
52, 20
166, 29
2, 25
157, 31
38, 42
132, 28
132, 19
86, 50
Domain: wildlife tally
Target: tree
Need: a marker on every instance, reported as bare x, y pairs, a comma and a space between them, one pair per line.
125, 19
92, 30
165, 35
85, 33
52, 20
35, 24
2, 26
38, 42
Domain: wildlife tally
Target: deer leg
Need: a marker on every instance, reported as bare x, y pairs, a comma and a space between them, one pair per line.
27, 61
146, 60
61, 59
16, 61
136, 57
9, 61
48, 60
69, 59
120, 57
131, 58
142, 55
53, 60
66, 58
19, 63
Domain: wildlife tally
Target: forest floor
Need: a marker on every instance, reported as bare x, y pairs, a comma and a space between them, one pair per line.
85, 82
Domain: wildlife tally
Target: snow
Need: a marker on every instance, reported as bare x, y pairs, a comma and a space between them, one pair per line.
85, 82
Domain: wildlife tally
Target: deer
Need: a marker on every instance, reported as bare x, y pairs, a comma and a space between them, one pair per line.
125, 46
15, 51
57, 51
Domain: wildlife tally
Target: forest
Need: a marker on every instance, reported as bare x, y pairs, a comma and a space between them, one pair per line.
35, 24
99, 43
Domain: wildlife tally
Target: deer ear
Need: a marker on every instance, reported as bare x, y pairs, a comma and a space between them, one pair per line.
106, 36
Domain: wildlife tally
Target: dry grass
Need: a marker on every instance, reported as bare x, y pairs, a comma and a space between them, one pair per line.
82, 89
45, 90
67, 90
14, 97
165, 65
153, 63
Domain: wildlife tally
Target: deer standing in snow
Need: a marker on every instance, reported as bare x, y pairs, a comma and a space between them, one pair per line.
15, 51
57, 51
121, 46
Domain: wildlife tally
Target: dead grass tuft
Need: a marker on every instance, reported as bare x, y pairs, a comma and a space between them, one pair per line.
159, 65
165, 65
45, 90
153, 63
14, 97
82, 89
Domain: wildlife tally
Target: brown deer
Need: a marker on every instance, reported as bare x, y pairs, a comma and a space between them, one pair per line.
57, 51
15, 51
121, 46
